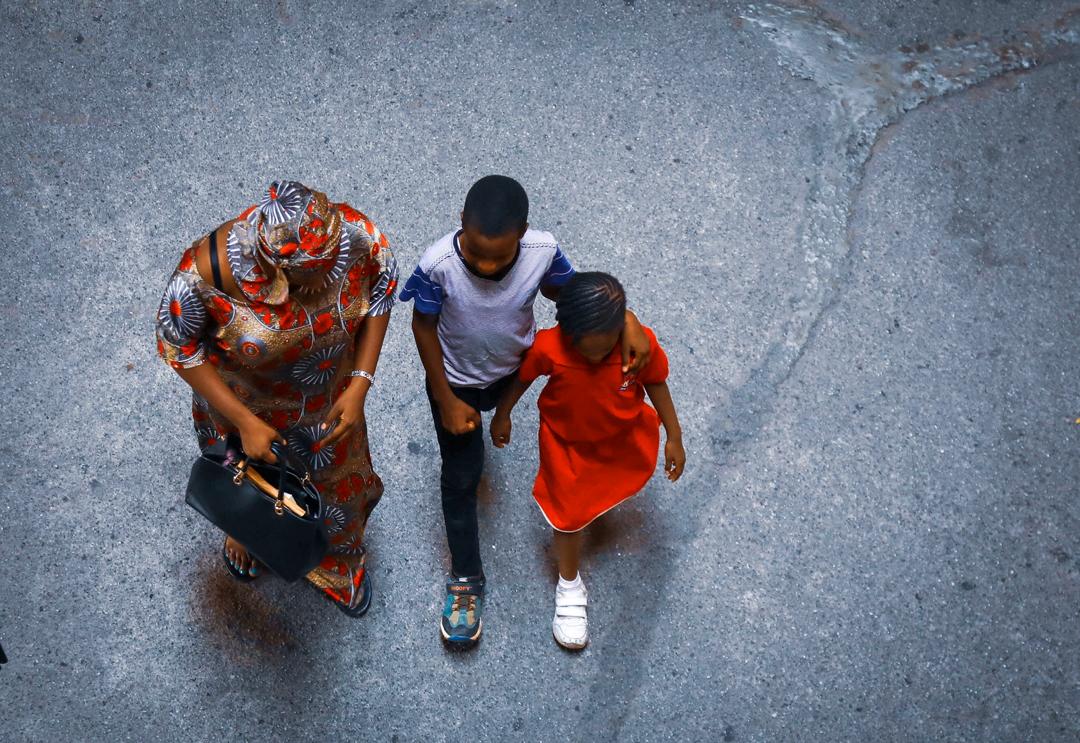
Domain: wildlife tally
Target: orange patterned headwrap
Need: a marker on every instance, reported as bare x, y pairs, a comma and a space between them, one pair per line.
295, 233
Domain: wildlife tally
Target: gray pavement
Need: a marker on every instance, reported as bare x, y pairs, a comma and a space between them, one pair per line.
853, 225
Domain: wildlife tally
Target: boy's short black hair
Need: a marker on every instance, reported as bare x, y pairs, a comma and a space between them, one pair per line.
495, 205
591, 302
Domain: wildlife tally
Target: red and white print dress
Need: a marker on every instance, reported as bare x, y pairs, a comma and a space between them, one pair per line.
288, 362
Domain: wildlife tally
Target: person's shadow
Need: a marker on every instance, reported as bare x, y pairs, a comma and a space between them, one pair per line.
250, 623
628, 551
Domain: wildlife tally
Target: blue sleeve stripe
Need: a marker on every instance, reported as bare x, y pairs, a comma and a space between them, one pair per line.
560, 271
426, 293
421, 276
423, 305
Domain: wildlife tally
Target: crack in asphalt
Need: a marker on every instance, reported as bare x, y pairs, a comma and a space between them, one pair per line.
870, 90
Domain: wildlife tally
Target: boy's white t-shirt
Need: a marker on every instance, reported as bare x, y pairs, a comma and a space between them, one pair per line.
485, 324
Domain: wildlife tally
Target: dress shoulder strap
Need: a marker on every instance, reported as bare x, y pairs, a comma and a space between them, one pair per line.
215, 264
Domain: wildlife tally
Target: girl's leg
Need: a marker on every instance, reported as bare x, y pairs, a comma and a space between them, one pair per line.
567, 550
571, 623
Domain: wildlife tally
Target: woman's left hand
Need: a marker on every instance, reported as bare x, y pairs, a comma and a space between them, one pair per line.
348, 411
636, 349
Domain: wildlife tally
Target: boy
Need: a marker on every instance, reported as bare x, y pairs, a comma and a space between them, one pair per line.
474, 291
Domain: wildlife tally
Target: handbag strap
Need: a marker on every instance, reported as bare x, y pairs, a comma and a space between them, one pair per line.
283, 467
285, 462
287, 459
287, 500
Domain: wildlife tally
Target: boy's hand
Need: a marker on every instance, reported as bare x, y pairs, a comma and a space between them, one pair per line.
674, 459
458, 417
500, 430
636, 349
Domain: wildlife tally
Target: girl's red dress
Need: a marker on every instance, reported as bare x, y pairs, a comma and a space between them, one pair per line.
598, 437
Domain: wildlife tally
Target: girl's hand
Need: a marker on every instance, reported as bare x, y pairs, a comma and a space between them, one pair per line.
636, 349
500, 430
674, 459
256, 436
348, 411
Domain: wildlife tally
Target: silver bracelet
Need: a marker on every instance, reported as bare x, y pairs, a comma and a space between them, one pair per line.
361, 373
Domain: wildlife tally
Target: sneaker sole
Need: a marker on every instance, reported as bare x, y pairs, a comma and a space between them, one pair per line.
462, 640
567, 645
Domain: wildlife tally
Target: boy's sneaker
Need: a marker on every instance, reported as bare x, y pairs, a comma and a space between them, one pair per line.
571, 623
461, 623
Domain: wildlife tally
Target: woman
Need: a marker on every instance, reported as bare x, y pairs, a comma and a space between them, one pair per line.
276, 320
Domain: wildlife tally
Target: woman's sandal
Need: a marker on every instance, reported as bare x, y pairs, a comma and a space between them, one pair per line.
365, 600
237, 573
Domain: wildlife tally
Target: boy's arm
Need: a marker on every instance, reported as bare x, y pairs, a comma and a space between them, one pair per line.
559, 272
674, 455
551, 292
500, 422
636, 349
458, 417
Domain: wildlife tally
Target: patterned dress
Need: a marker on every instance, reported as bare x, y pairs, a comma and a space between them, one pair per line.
288, 361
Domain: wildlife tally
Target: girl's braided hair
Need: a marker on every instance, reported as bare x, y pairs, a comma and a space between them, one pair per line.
590, 302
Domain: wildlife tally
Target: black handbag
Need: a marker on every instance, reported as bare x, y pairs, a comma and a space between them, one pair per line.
273, 510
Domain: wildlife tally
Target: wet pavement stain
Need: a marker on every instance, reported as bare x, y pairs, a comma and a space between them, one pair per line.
246, 626
870, 91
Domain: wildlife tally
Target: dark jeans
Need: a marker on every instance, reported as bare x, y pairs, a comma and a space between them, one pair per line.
462, 465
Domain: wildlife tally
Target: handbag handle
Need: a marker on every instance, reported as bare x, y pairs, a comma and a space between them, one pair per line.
286, 458
285, 462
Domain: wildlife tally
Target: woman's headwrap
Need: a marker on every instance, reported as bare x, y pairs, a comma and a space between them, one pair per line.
294, 233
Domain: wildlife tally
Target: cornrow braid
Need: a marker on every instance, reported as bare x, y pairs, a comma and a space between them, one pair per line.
590, 302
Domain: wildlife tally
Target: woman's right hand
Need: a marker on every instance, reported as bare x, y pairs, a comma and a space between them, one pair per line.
257, 436
458, 416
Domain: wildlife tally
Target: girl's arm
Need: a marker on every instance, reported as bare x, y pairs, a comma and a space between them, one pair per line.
500, 422
256, 435
674, 455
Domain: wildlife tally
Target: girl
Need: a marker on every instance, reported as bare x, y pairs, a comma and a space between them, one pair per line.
598, 437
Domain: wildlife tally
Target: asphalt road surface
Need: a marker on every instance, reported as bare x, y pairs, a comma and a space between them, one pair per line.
853, 225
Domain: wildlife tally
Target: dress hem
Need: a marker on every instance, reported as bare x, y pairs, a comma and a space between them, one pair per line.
594, 518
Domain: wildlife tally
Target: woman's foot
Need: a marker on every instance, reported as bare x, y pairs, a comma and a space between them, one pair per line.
363, 600
571, 623
239, 561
